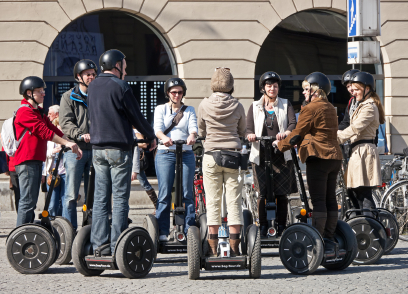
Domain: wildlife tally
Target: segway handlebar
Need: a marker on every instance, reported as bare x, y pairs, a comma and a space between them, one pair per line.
176, 142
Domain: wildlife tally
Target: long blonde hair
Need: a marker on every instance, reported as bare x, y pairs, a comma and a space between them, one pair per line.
315, 88
377, 101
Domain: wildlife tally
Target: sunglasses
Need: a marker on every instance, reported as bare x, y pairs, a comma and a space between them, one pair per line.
174, 93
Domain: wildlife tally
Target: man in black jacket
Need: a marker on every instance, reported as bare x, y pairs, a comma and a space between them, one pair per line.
74, 122
113, 110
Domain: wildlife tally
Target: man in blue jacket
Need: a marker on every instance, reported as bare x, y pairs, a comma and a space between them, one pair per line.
113, 110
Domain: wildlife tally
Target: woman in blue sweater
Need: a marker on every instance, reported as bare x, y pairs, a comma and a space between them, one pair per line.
165, 160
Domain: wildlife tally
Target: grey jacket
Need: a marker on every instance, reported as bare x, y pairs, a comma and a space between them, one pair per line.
73, 116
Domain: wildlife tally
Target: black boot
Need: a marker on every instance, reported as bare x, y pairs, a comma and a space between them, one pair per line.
331, 247
319, 221
331, 224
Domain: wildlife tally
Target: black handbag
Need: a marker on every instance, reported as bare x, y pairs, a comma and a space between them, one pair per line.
144, 164
228, 159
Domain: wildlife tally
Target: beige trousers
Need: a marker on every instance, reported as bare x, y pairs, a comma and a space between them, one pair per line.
214, 178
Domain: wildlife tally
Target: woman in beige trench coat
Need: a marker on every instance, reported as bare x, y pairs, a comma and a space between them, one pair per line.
364, 169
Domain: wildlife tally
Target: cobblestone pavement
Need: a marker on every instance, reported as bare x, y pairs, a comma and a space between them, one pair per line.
169, 274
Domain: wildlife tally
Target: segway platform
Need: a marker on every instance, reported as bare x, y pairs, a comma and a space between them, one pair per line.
270, 242
223, 263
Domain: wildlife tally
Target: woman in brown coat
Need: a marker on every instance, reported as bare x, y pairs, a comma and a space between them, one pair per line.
317, 130
364, 168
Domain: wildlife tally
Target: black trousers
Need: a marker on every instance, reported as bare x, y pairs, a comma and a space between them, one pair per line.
16, 188
281, 208
364, 198
321, 178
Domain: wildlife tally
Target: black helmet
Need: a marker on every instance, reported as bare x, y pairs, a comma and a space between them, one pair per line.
364, 78
172, 82
347, 76
269, 75
108, 60
31, 83
82, 65
321, 80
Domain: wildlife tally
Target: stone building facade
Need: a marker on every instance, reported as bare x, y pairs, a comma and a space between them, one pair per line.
202, 35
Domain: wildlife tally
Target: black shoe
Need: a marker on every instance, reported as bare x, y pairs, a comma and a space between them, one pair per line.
331, 247
103, 250
264, 230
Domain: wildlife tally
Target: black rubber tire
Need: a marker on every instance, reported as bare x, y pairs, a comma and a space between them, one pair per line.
151, 226
64, 236
255, 262
309, 248
193, 253
371, 239
347, 239
80, 248
247, 221
389, 221
31, 249
134, 254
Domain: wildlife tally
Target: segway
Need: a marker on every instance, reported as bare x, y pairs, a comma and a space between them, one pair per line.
32, 248
177, 242
376, 233
133, 254
250, 259
301, 247
271, 240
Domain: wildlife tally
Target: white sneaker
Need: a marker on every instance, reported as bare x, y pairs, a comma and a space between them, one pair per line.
163, 238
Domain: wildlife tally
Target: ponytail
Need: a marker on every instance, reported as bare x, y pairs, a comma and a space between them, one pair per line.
380, 107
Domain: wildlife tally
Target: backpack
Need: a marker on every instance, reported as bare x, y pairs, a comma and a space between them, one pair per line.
8, 134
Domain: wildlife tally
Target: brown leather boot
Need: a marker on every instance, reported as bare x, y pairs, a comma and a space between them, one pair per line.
331, 224
153, 197
213, 247
319, 221
234, 244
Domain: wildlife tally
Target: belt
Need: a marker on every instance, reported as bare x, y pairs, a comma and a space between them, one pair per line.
362, 142
174, 151
211, 152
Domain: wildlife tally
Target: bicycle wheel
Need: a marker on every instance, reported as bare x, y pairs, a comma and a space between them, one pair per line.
396, 201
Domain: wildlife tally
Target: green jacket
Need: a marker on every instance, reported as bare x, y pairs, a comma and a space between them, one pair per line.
73, 116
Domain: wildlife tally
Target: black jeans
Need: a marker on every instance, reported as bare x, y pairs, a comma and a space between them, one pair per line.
16, 188
321, 178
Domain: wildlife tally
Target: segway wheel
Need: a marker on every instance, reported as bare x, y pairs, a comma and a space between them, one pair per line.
256, 258
371, 239
344, 235
80, 248
151, 226
64, 235
301, 249
134, 254
193, 253
247, 221
31, 249
390, 223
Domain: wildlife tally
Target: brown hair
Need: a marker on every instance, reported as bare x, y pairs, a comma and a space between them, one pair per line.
376, 99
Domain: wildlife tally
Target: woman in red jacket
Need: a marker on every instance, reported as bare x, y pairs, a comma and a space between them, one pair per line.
35, 129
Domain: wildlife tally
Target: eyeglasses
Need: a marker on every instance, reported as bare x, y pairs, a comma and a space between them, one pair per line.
39, 91
174, 93
90, 74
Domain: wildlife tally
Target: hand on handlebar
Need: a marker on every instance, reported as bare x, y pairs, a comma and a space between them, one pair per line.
191, 139
280, 136
75, 149
275, 144
153, 145
167, 141
251, 138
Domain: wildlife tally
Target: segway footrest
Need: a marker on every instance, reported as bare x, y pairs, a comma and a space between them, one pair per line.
103, 262
231, 263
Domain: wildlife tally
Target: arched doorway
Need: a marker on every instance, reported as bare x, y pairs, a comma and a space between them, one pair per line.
149, 58
305, 42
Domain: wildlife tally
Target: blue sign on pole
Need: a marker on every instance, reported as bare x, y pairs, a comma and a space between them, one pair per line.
352, 18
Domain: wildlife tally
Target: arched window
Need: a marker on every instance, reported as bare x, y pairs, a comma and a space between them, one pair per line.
149, 60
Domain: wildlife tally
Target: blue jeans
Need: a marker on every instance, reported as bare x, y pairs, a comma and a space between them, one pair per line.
141, 176
29, 179
165, 164
74, 171
113, 172
57, 198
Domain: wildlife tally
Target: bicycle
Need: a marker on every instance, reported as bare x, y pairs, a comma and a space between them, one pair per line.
199, 192
395, 197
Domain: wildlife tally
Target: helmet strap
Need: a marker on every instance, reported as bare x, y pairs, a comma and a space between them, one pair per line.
365, 95
32, 97
119, 70
81, 81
